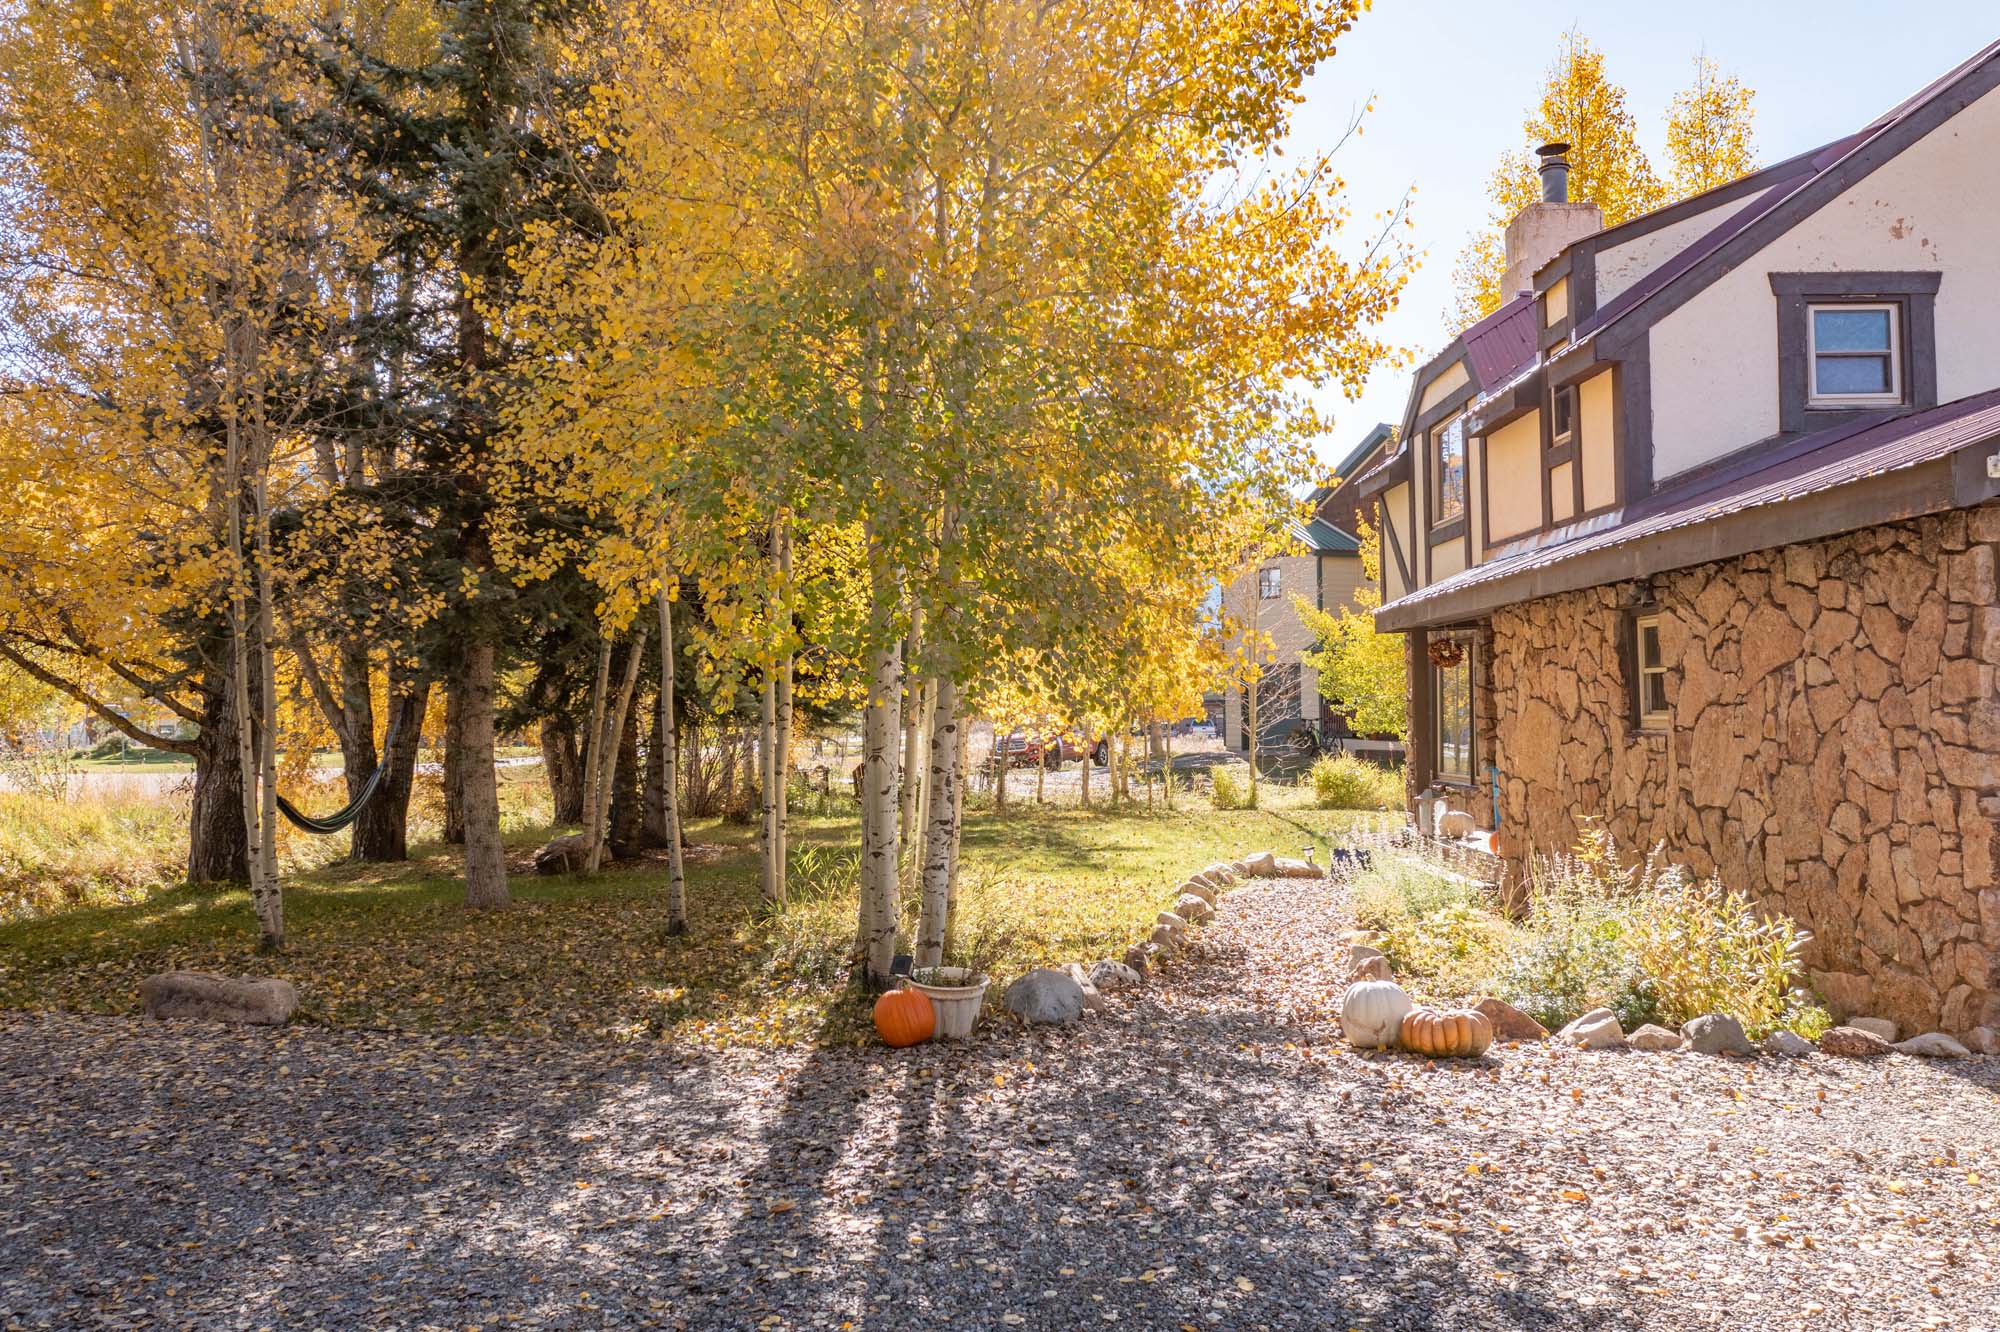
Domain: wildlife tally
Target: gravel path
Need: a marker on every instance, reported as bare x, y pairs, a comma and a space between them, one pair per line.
1204, 1156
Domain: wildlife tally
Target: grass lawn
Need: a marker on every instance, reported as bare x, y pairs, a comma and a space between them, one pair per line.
390, 946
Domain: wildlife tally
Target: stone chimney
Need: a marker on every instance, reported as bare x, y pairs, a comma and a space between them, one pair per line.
1542, 230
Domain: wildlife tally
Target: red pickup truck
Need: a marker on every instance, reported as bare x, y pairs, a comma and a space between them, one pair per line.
1022, 750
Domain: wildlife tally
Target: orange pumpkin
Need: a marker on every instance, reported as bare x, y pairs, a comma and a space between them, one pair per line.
1460, 1033
904, 1017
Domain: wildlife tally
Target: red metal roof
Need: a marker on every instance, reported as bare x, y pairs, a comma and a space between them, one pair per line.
1502, 343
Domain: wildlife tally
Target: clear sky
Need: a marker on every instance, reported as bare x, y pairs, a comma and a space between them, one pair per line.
1453, 79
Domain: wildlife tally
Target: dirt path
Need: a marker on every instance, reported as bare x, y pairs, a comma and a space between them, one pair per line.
1206, 1156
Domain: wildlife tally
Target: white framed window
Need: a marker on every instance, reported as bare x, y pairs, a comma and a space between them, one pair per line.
1854, 354
1448, 466
1651, 666
1451, 688
1270, 583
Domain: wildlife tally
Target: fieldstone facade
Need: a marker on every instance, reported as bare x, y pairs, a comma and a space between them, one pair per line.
1834, 749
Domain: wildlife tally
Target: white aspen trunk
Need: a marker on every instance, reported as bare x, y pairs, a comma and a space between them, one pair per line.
1042, 782
266, 899
593, 744
767, 782
608, 761
957, 836
940, 830
1167, 768
879, 854
485, 855
783, 763
1084, 786
267, 711
913, 759
677, 911
1001, 768
920, 777
1255, 673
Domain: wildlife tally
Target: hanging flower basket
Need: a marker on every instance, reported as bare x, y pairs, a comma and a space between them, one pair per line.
1447, 653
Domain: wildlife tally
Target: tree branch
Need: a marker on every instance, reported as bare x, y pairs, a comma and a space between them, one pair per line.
104, 710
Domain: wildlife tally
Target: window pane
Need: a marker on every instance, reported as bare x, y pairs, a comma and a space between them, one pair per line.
1451, 470
1655, 699
1850, 330
1649, 644
1851, 374
1454, 740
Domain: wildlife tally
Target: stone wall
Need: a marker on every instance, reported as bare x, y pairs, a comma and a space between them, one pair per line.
1834, 749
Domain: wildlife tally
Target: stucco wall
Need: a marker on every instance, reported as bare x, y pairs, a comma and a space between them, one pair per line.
1834, 749
1619, 266
1933, 207
1514, 477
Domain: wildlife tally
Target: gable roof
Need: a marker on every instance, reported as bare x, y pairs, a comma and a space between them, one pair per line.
1323, 538
1782, 195
1682, 525
1373, 440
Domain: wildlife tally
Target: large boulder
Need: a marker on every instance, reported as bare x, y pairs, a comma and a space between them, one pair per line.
1509, 1022
1262, 865
266, 1001
564, 855
1596, 1030
1717, 1033
1290, 868
1881, 1027
1455, 823
1109, 975
1853, 1043
1045, 995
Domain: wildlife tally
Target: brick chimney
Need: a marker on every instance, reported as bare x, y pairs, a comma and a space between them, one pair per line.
1542, 230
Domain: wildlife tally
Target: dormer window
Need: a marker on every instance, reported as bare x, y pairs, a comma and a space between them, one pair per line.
1855, 353
1448, 466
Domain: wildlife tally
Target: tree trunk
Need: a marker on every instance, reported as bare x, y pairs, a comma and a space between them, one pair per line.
1083, 783
614, 730
454, 759
562, 763
594, 742
941, 827
218, 849
914, 739
653, 795
677, 921
382, 829
767, 790
1001, 769
1042, 782
485, 856
882, 730
628, 815
957, 836
1167, 769
782, 767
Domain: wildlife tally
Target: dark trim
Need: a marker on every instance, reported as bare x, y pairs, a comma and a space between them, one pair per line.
1876, 149
1633, 415
1445, 532
1867, 502
1447, 407
1395, 470
1388, 530
1914, 294
1437, 528
1422, 725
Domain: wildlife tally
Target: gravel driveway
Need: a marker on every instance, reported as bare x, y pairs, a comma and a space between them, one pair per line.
1205, 1156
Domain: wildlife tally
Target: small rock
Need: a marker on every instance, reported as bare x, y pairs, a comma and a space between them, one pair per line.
1596, 1030
1175, 923
1360, 952
1717, 1033
1932, 1045
1197, 888
1853, 1043
265, 1002
1986, 1040
1139, 958
1290, 868
1240, 868
1045, 995
1366, 938
1109, 975
564, 855
1092, 1000
1509, 1022
1874, 1027
1163, 938
1219, 874
1370, 968
1263, 865
1652, 1037
1787, 1043
1193, 908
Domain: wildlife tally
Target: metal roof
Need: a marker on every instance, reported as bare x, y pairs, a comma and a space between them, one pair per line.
1502, 342
1323, 537
1869, 447
1369, 443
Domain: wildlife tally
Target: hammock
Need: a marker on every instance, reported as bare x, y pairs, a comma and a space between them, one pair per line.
340, 818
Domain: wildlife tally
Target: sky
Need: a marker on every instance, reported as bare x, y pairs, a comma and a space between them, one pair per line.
1452, 80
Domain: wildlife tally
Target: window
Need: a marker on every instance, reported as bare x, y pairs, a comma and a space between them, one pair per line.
1448, 459
1562, 418
1452, 688
1854, 354
1651, 673
1270, 582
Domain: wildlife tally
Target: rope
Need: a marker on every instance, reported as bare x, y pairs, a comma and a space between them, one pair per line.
342, 817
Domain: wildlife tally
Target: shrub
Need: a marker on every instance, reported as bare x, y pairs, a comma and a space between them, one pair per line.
1395, 891
1230, 790
1342, 781
1450, 953
1707, 950
1571, 955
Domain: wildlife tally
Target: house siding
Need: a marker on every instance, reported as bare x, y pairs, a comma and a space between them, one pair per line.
1834, 749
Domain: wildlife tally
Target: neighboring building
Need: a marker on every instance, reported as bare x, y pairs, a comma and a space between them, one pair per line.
1322, 564
1697, 535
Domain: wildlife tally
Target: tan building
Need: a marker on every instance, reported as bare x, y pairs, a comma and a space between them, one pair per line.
1697, 535
1322, 566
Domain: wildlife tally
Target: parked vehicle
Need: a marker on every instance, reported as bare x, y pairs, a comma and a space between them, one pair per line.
1019, 749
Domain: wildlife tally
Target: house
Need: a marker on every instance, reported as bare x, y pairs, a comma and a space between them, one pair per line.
1696, 535
1321, 563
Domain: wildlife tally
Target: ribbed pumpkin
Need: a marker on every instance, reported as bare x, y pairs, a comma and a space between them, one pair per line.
1459, 1033
1370, 1010
904, 1017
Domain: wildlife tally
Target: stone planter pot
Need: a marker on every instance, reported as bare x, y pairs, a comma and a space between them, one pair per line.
958, 1003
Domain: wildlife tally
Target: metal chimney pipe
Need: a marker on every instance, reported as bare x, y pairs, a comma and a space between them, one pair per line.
1555, 172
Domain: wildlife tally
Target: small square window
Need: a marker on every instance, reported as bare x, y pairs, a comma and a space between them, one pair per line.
1270, 582
1651, 669
1854, 355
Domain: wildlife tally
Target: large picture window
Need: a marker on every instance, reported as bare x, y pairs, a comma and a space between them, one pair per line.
1448, 466
1451, 686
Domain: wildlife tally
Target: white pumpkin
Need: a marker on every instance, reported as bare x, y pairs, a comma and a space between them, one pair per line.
1372, 1011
